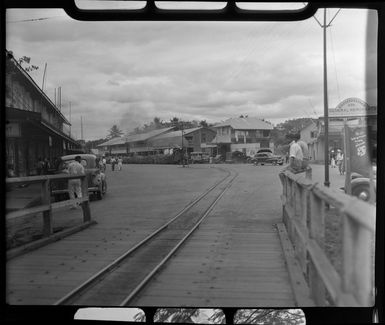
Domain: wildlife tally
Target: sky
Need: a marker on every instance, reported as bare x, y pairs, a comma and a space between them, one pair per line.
127, 73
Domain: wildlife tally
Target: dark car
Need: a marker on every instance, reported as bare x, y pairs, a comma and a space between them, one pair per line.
97, 183
360, 185
238, 157
263, 158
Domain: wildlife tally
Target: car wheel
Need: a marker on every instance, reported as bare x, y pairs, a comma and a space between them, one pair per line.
362, 192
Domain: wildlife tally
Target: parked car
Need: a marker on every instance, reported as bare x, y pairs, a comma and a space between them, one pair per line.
218, 159
96, 179
360, 185
262, 158
238, 156
199, 157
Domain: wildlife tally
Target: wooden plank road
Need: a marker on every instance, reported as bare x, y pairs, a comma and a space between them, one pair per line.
234, 259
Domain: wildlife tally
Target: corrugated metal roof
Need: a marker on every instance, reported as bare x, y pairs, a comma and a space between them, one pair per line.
146, 136
134, 137
246, 123
178, 133
113, 141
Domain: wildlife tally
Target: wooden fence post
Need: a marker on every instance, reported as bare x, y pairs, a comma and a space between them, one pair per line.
47, 215
85, 203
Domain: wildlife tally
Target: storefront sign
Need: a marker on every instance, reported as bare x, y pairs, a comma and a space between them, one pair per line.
12, 130
359, 151
352, 107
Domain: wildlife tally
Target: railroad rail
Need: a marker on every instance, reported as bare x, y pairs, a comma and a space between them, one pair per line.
304, 204
120, 282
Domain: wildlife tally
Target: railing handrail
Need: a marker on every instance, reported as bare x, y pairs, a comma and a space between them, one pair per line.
46, 206
357, 210
40, 178
304, 205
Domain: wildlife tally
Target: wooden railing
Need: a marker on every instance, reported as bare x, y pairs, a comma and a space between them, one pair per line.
45, 206
304, 206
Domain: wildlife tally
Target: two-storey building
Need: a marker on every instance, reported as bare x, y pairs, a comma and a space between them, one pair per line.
194, 139
35, 127
245, 134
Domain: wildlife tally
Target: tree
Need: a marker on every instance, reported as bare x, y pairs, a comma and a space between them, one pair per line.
27, 59
114, 132
242, 316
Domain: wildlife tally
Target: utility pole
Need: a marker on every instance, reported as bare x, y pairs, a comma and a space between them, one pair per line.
81, 127
182, 153
70, 119
326, 108
42, 86
326, 104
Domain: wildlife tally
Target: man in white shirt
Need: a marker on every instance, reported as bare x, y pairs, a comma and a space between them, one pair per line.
296, 156
74, 185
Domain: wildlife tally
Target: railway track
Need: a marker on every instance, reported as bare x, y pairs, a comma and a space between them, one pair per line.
122, 280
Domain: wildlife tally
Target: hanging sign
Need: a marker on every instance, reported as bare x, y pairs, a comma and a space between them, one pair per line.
359, 151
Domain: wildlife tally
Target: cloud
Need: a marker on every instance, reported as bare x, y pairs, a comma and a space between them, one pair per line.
127, 73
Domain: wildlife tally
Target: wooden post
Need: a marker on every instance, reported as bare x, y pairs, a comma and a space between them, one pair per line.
47, 215
85, 203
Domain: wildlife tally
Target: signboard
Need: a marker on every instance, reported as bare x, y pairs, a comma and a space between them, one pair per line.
12, 130
357, 140
352, 107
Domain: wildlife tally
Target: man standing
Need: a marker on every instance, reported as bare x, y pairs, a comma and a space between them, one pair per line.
296, 155
74, 185
120, 162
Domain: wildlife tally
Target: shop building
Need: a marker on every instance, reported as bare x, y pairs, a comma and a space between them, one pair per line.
191, 140
352, 112
34, 127
245, 134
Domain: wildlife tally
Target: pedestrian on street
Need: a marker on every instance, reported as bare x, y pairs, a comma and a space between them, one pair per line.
113, 161
340, 161
120, 163
333, 163
40, 166
104, 163
74, 185
47, 166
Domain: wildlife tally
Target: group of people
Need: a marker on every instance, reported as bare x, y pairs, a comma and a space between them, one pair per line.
118, 162
337, 161
43, 165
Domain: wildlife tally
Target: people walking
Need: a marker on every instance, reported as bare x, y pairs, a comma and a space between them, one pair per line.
340, 162
40, 166
113, 162
120, 163
104, 160
74, 185
333, 163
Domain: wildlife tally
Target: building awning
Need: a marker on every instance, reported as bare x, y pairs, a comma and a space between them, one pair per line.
57, 132
35, 118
